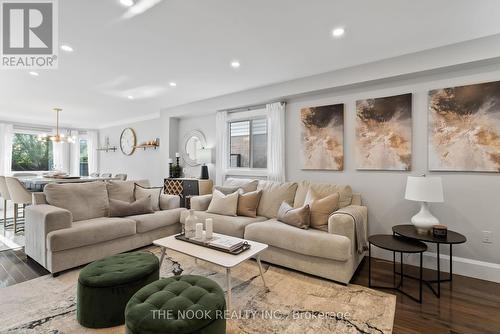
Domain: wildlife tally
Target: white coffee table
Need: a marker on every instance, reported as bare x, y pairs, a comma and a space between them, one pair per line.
219, 258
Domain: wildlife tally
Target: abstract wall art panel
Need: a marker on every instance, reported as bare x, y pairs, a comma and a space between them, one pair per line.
464, 128
384, 133
323, 137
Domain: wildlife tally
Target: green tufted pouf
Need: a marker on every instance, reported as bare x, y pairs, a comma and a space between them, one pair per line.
105, 286
160, 306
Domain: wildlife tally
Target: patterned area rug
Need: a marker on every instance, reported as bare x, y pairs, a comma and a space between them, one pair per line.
292, 303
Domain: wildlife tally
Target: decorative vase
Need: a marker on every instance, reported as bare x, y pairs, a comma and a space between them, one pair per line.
190, 224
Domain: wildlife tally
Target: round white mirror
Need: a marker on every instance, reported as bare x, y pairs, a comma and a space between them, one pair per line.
193, 142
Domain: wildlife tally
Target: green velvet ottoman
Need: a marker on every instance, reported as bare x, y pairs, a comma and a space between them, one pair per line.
105, 286
177, 305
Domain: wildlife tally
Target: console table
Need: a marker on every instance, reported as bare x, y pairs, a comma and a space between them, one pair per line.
452, 238
184, 187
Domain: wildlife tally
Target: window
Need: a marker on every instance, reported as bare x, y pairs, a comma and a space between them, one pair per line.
84, 158
248, 143
30, 154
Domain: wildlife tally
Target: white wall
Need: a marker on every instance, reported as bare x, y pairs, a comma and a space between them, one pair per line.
471, 199
142, 164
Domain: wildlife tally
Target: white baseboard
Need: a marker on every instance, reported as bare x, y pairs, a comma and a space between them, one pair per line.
461, 266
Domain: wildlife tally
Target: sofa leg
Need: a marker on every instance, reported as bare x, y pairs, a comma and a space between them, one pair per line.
55, 274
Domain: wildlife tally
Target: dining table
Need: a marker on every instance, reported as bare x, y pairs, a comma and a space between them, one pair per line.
36, 183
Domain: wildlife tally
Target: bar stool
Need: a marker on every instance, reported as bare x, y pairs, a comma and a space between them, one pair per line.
4, 193
19, 195
94, 174
106, 175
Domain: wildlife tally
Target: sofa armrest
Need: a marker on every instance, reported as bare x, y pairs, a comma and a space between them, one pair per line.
40, 221
201, 203
342, 223
50, 217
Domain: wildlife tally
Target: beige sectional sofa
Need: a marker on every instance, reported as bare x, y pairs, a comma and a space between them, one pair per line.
332, 255
78, 230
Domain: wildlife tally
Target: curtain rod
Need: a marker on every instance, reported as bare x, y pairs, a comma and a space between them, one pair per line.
249, 108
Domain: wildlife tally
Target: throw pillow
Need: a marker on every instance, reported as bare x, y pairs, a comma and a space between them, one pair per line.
119, 208
245, 184
124, 190
221, 204
321, 208
168, 201
154, 192
248, 203
299, 217
226, 190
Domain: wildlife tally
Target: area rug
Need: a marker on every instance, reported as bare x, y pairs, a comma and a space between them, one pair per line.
292, 303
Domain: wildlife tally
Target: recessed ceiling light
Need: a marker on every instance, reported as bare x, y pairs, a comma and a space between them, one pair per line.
66, 48
130, 97
337, 32
127, 3
33, 73
172, 84
235, 64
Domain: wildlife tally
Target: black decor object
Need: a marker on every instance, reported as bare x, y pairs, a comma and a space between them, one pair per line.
169, 169
401, 245
204, 172
452, 238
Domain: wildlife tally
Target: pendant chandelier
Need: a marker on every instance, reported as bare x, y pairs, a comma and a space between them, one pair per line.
58, 137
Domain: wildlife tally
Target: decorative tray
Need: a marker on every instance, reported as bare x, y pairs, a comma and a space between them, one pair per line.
240, 250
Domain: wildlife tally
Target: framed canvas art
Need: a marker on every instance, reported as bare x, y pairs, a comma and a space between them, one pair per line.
323, 137
464, 128
384, 133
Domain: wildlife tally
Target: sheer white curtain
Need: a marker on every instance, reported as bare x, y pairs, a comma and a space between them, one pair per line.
221, 158
74, 167
6, 138
92, 145
276, 141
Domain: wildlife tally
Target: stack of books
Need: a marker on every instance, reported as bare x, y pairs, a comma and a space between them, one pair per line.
226, 242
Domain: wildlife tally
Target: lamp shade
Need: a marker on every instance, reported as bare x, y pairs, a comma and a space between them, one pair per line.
204, 155
424, 189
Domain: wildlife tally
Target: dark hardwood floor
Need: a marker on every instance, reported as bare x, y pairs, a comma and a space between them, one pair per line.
467, 306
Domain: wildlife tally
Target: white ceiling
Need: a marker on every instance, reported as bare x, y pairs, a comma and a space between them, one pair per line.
193, 42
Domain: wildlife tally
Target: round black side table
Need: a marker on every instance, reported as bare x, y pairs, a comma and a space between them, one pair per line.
399, 245
452, 238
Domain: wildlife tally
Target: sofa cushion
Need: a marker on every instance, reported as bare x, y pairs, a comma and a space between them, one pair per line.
83, 200
124, 190
273, 194
119, 208
321, 208
152, 192
223, 204
233, 226
90, 232
158, 219
244, 184
307, 242
323, 190
168, 201
298, 217
248, 203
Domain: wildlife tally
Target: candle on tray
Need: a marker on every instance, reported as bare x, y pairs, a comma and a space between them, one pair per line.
209, 227
199, 231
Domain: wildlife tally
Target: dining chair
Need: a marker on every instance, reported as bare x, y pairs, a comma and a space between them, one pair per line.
94, 175
122, 177
20, 196
106, 175
4, 193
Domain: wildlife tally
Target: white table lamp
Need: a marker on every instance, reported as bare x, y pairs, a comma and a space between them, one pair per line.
424, 190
